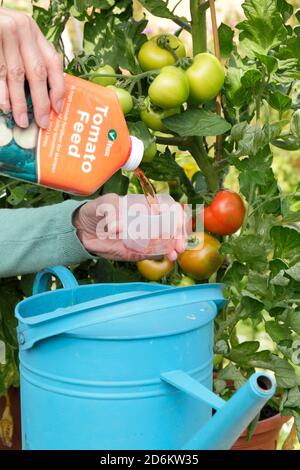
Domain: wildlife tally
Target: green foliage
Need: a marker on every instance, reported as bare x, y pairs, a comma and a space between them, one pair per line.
197, 122
263, 273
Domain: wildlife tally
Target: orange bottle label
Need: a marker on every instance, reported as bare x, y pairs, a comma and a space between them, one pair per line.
86, 143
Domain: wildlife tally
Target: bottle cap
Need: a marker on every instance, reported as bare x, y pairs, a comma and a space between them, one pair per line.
136, 154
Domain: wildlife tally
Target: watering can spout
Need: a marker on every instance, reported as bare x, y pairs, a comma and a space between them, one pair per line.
233, 416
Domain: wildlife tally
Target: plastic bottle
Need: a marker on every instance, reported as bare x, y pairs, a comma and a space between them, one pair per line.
80, 150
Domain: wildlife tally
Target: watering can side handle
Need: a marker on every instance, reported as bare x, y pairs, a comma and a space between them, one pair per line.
184, 382
60, 272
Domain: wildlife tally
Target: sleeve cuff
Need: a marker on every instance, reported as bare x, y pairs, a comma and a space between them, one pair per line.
69, 246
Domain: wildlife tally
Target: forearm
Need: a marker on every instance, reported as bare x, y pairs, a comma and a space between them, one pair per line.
31, 239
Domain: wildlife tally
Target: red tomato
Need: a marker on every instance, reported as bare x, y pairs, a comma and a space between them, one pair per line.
226, 213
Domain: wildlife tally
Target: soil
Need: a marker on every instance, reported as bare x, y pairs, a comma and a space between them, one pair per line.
267, 412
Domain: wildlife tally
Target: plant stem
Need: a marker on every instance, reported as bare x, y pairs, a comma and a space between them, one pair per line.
171, 140
138, 76
219, 138
199, 36
204, 6
230, 322
183, 24
205, 163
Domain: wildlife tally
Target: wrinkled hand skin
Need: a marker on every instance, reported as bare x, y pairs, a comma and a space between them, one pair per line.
25, 53
87, 218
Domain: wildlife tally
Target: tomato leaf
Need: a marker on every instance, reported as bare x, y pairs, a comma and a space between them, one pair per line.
286, 242
235, 273
285, 9
288, 142
292, 399
293, 319
17, 195
243, 352
197, 122
284, 373
251, 78
140, 130
270, 62
114, 42
231, 372
279, 101
107, 271
118, 184
290, 208
249, 138
158, 8
165, 168
249, 249
225, 39
294, 272
263, 29
276, 331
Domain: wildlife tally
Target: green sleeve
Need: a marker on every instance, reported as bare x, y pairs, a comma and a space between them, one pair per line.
31, 239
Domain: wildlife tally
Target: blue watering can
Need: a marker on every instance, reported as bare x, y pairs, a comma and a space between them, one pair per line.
126, 366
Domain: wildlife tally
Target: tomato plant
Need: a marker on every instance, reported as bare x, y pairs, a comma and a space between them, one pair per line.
260, 60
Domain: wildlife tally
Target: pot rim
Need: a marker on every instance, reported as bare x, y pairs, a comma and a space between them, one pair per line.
265, 425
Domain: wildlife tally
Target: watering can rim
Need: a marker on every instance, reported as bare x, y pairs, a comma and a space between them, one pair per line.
160, 288
81, 318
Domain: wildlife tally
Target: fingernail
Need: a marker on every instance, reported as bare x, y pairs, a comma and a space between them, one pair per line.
23, 120
44, 121
59, 105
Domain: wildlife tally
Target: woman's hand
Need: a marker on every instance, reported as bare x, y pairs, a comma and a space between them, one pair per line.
100, 228
25, 53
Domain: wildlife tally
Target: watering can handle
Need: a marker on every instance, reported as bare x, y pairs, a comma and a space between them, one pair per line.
33, 328
60, 272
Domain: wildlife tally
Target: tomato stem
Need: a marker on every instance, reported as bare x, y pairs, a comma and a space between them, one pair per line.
163, 42
199, 35
205, 164
171, 140
138, 76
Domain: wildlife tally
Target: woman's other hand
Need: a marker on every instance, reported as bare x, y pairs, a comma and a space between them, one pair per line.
25, 53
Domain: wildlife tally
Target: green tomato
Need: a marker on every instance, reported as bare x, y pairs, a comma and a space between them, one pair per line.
104, 81
154, 270
151, 56
124, 97
205, 77
154, 118
150, 152
170, 88
185, 281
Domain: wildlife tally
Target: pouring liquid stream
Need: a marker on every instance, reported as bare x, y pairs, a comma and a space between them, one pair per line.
148, 191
